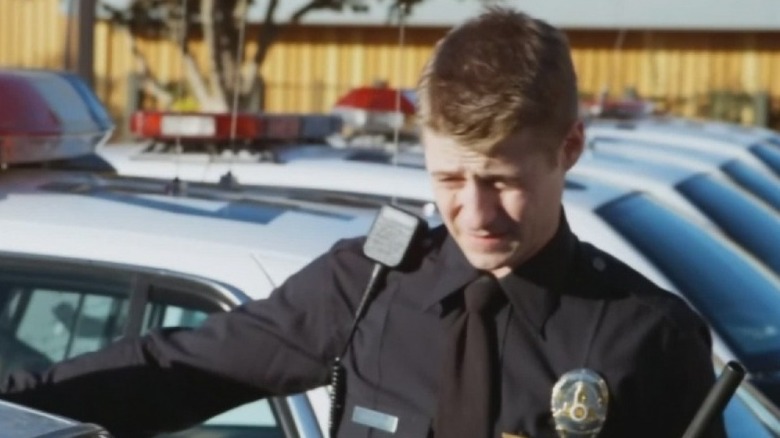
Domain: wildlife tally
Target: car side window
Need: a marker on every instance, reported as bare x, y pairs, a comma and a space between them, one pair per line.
63, 324
53, 310
50, 313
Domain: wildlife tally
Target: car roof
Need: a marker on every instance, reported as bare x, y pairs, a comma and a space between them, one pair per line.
235, 240
655, 152
658, 179
335, 169
665, 173
728, 143
316, 168
685, 128
582, 197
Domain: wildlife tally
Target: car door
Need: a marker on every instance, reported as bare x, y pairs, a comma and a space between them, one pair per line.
54, 309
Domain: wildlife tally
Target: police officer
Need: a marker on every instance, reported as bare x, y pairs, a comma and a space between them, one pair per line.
503, 325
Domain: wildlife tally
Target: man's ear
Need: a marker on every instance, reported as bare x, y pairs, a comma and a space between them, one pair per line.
573, 145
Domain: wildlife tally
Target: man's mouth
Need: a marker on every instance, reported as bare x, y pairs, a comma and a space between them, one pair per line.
486, 240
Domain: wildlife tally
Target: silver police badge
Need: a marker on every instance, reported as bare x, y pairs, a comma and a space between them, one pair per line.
579, 404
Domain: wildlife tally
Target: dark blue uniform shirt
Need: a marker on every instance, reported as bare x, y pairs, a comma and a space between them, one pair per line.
571, 306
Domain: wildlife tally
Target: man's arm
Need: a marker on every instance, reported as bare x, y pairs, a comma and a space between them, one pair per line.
173, 378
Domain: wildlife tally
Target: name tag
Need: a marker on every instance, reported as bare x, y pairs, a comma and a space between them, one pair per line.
375, 419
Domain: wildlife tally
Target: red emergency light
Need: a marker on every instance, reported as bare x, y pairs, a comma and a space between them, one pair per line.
378, 99
377, 110
48, 115
222, 128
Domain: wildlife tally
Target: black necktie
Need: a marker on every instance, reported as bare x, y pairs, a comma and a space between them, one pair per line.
466, 406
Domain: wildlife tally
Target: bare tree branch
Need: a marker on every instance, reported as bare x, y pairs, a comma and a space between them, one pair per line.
221, 22
334, 5
149, 82
268, 34
198, 86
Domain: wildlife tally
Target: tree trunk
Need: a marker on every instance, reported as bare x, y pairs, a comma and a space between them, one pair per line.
254, 99
149, 83
207, 101
217, 91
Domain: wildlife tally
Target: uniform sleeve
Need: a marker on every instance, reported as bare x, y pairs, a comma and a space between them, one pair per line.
690, 374
171, 379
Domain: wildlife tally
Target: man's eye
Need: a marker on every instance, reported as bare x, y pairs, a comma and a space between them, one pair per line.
506, 183
449, 181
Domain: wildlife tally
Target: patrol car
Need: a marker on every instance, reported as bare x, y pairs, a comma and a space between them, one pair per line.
706, 196
88, 255
174, 259
758, 148
757, 181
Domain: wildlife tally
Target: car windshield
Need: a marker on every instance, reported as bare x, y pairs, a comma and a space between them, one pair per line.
753, 181
751, 225
739, 300
769, 154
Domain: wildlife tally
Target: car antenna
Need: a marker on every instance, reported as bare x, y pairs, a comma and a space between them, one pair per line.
229, 180
177, 186
604, 94
403, 9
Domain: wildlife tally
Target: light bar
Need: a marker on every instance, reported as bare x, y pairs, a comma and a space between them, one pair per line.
48, 115
188, 126
283, 127
220, 127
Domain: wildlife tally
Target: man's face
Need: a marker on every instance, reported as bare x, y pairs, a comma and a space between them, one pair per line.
501, 208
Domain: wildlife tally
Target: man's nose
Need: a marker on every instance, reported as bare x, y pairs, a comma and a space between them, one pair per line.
479, 205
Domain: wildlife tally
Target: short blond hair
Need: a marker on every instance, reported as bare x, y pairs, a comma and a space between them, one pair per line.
496, 74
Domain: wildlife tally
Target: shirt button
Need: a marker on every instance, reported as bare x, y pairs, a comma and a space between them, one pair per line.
599, 264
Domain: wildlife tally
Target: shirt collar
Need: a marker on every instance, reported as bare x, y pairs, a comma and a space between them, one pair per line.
452, 272
533, 288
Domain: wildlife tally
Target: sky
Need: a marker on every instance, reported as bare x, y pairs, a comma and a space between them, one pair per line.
610, 14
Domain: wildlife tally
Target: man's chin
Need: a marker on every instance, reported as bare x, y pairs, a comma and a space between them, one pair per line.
487, 262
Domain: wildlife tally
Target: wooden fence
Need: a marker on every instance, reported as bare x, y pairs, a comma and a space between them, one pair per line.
310, 67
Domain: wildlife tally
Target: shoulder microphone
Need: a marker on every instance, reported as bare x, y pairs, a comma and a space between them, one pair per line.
388, 242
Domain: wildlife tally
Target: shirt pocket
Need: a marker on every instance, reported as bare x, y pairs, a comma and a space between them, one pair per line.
362, 420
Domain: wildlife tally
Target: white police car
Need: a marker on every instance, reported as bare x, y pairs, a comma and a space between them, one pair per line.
759, 148
171, 260
338, 175
707, 196
755, 180
87, 257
